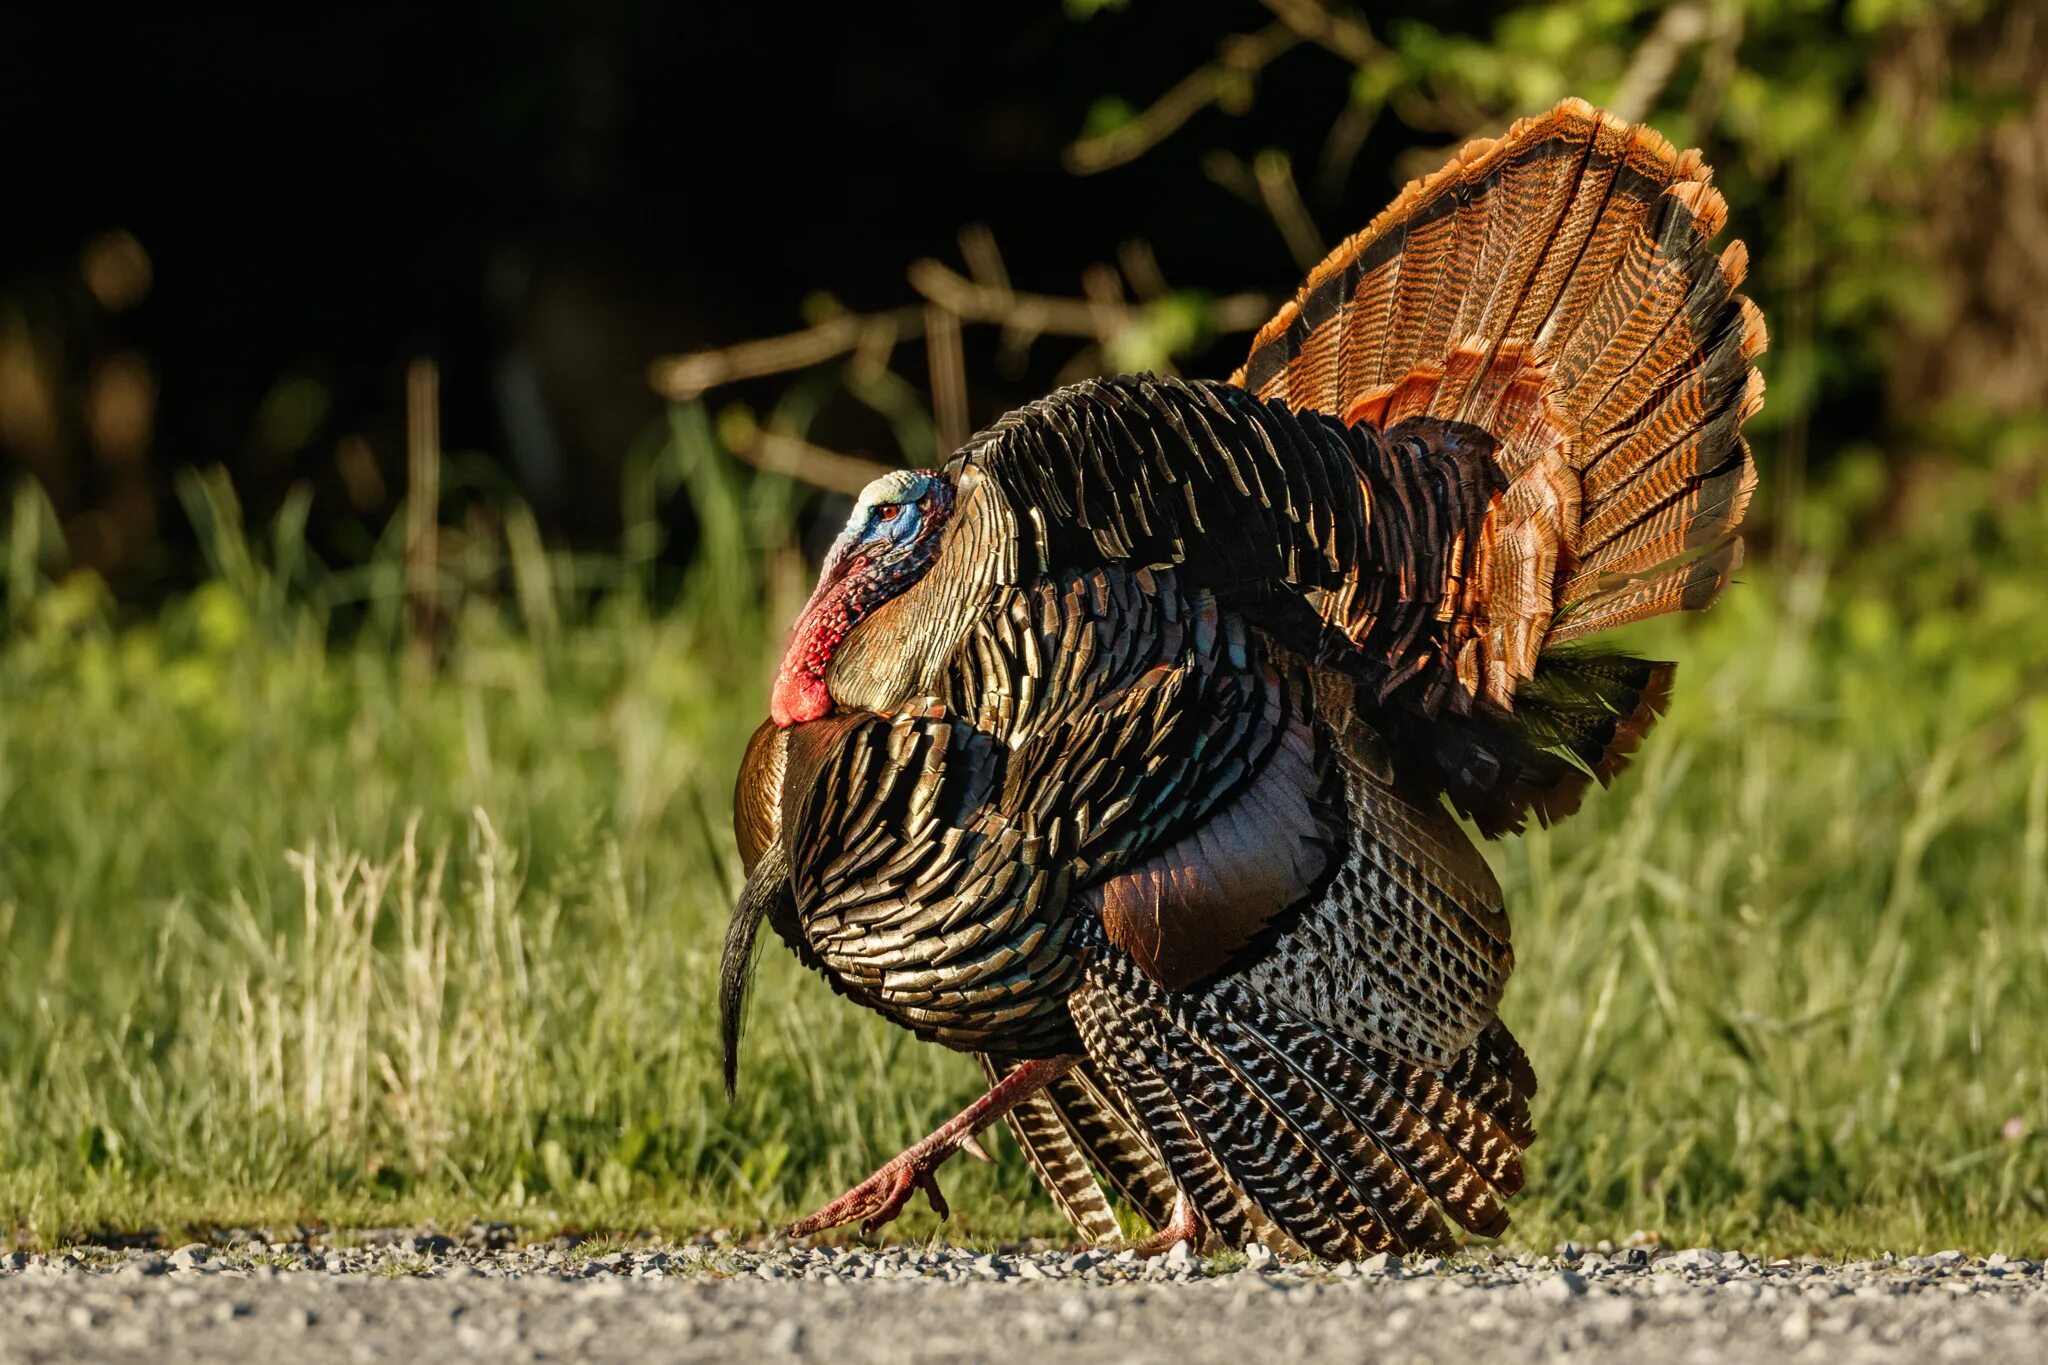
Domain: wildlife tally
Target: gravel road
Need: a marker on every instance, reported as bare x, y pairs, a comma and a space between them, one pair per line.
413, 1297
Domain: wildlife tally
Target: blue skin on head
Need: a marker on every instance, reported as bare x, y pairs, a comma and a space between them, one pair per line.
889, 542
886, 514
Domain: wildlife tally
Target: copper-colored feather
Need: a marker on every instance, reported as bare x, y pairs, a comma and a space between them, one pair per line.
757, 793
1188, 908
1138, 790
1554, 287
1057, 1158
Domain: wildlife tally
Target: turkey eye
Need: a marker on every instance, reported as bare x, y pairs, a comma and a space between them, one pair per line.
888, 511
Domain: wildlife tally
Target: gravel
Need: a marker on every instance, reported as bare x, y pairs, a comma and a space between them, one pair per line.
410, 1295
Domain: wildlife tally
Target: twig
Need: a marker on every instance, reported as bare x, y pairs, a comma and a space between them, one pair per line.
1282, 198
1656, 57
1443, 108
1347, 135
815, 465
984, 260
1104, 290
985, 263
1337, 31
877, 343
1048, 315
422, 509
1141, 267
684, 377
1238, 58
1269, 184
779, 452
950, 299
1228, 170
949, 378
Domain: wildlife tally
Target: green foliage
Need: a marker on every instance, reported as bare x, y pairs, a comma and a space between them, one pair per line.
1106, 115
294, 927
1173, 325
1824, 160
289, 931
1871, 154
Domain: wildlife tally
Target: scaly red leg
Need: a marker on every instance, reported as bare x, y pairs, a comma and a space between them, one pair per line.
883, 1195
1184, 1226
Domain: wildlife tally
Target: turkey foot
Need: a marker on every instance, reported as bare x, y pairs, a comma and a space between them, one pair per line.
1184, 1226
883, 1195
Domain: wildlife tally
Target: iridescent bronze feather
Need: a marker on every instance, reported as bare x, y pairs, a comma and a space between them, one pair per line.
1118, 751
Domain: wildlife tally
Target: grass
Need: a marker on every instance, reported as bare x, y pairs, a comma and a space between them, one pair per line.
293, 931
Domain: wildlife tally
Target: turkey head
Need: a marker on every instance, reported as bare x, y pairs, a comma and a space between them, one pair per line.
889, 543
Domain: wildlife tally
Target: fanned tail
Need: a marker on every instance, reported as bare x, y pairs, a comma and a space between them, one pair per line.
1555, 289
1283, 1131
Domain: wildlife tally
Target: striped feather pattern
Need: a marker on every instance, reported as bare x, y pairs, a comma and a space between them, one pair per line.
1417, 1168
1150, 1102
1351, 545
937, 861
1407, 948
1057, 1159
1262, 1113
1556, 289
1227, 1145
1121, 1152
1147, 764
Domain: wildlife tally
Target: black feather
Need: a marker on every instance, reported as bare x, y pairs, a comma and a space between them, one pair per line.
768, 885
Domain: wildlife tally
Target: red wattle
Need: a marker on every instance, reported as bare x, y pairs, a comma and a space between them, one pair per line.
798, 697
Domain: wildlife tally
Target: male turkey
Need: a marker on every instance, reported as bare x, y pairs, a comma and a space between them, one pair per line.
1117, 752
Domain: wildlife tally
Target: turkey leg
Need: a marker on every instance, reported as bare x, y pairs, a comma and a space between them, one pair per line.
1184, 1226
883, 1195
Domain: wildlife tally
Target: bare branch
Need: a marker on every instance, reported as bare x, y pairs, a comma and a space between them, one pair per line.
984, 260
1141, 267
422, 511
1038, 314
949, 300
1347, 135
871, 353
1282, 198
1338, 31
1237, 59
1677, 29
1104, 290
1240, 313
1048, 315
684, 377
949, 378
778, 452
1227, 170
1443, 108
1269, 185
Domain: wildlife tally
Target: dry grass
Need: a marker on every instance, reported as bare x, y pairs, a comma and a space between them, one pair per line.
288, 936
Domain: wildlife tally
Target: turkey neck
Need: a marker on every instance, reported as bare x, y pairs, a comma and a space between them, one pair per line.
899, 650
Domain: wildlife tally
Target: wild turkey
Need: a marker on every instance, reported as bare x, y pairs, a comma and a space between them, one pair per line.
1118, 751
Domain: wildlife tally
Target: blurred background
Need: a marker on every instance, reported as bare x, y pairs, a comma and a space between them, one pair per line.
234, 236
413, 421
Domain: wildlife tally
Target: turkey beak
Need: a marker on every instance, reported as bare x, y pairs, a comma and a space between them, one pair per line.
839, 561
768, 882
